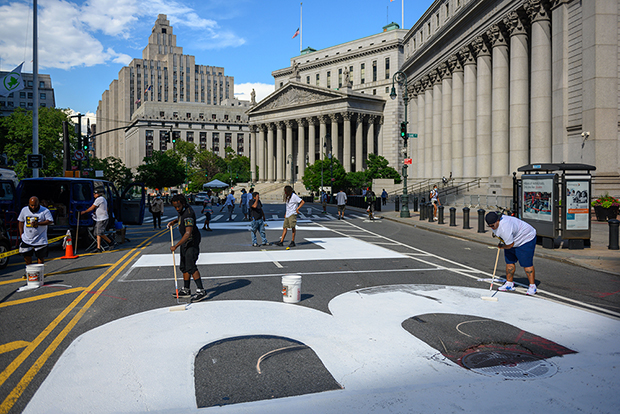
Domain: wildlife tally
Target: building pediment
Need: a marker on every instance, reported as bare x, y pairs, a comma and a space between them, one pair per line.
293, 95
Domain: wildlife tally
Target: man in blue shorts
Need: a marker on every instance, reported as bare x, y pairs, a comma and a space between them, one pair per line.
518, 240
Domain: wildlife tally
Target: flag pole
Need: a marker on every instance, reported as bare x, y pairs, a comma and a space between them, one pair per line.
402, 14
300, 25
35, 78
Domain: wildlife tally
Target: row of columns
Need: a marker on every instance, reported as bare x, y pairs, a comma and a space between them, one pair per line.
484, 112
273, 150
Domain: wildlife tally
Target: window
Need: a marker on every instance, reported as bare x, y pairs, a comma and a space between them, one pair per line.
22, 104
29, 95
162, 114
42, 96
308, 80
30, 84
339, 78
318, 78
213, 116
374, 91
189, 135
363, 73
41, 84
374, 70
226, 117
188, 115
387, 68
329, 79
22, 95
239, 119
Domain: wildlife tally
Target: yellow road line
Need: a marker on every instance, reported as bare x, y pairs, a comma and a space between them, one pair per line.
41, 297
10, 400
12, 346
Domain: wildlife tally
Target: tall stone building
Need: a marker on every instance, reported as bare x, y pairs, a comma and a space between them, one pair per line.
167, 91
492, 85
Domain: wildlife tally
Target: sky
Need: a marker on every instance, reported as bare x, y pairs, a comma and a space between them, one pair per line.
84, 44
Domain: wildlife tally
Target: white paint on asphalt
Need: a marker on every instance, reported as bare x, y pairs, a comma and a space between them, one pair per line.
144, 362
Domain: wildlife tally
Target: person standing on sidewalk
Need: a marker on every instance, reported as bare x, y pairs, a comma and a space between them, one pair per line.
207, 210
293, 204
33, 222
101, 217
341, 199
190, 247
518, 240
157, 208
434, 196
257, 215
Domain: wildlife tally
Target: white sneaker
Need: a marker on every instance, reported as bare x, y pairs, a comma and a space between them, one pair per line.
531, 290
507, 287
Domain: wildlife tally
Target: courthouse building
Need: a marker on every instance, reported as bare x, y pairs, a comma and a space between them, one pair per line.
166, 96
492, 85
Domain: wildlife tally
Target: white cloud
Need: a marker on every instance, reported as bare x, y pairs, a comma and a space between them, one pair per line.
243, 90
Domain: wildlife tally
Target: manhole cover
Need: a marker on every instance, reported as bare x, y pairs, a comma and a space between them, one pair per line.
509, 365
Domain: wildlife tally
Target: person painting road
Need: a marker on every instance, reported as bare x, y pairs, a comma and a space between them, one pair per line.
518, 240
190, 248
293, 204
33, 222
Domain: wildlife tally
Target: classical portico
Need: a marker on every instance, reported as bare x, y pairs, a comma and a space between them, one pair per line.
300, 123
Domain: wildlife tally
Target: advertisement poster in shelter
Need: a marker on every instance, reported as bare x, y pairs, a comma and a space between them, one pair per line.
537, 198
577, 205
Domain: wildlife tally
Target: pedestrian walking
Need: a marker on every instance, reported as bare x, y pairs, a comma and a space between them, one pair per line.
293, 203
370, 198
244, 203
518, 240
207, 210
101, 217
341, 200
230, 204
384, 197
157, 208
190, 247
257, 217
324, 201
33, 222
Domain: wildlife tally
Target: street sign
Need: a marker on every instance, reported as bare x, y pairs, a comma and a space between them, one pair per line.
78, 155
35, 161
412, 135
408, 161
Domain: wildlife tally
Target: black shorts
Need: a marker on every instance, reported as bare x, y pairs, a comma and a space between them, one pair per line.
189, 257
27, 250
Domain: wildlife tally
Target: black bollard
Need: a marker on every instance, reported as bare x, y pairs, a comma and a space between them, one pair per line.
481, 221
396, 203
415, 204
431, 213
440, 215
466, 218
452, 216
613, 234
422, 211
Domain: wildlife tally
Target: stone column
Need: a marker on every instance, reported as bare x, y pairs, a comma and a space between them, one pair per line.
359, 143
346, 142
437, 116
311, 141
420, 149
457, 115
446, 119
253, 129
500, 102
289, 151
469, 113
335, 139
270, 158
559, 110
428, 127
519, 90
380, 136
262, 172
322, 133
370, 135
484, 86
540, 95
280, 162
301, 148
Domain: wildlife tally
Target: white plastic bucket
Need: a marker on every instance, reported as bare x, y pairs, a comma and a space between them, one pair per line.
291, 288
34, 275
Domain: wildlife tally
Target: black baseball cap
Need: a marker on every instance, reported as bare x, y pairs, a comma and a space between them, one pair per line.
491, 217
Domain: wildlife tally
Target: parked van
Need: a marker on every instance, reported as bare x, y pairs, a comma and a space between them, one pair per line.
65, 197
6, 174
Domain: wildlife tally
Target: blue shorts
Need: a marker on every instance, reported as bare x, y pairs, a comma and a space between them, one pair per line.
524, 254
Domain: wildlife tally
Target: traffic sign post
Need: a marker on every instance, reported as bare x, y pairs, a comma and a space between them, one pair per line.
35, 161
412, 135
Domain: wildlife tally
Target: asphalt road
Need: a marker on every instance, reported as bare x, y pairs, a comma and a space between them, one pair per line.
333, 257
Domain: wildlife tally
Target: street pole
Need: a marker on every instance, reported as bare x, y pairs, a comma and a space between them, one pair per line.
401, 78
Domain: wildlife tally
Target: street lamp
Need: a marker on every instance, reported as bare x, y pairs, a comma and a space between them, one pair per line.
400, 78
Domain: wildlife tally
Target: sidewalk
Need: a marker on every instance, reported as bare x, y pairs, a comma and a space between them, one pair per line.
596, 257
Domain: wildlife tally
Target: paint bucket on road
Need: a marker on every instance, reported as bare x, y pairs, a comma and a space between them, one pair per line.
291, 288
34, 275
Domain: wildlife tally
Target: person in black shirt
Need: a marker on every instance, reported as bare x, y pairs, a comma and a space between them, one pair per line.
257, 217
190, 247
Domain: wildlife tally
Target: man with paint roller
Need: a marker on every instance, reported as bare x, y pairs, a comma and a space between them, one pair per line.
518, 240
33, 221
190, 248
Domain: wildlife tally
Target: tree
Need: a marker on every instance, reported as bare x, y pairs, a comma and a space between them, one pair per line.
358, 179
113, 170
377, 167
16, 142
162, 169
312, 174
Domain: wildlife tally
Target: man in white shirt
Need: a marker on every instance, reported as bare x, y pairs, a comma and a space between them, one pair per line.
341, 200
33, 222
229, 204
518, 240
101, 217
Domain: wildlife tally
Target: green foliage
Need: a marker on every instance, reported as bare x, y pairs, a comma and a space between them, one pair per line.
377, 167
210, 166
113, 170
16, 140
163, 169
312, 174
358, 179
606, 201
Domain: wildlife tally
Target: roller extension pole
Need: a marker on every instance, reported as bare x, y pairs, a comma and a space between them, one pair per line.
492, 298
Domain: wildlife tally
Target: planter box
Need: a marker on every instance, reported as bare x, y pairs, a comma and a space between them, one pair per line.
605, 214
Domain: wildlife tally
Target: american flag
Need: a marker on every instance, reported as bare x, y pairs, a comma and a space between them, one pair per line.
148, 89
296, 34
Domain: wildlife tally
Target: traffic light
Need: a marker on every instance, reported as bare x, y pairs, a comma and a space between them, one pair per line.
403, 130
85, 145
174, 138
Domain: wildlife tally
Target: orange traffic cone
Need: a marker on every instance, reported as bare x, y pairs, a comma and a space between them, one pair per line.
68, 244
